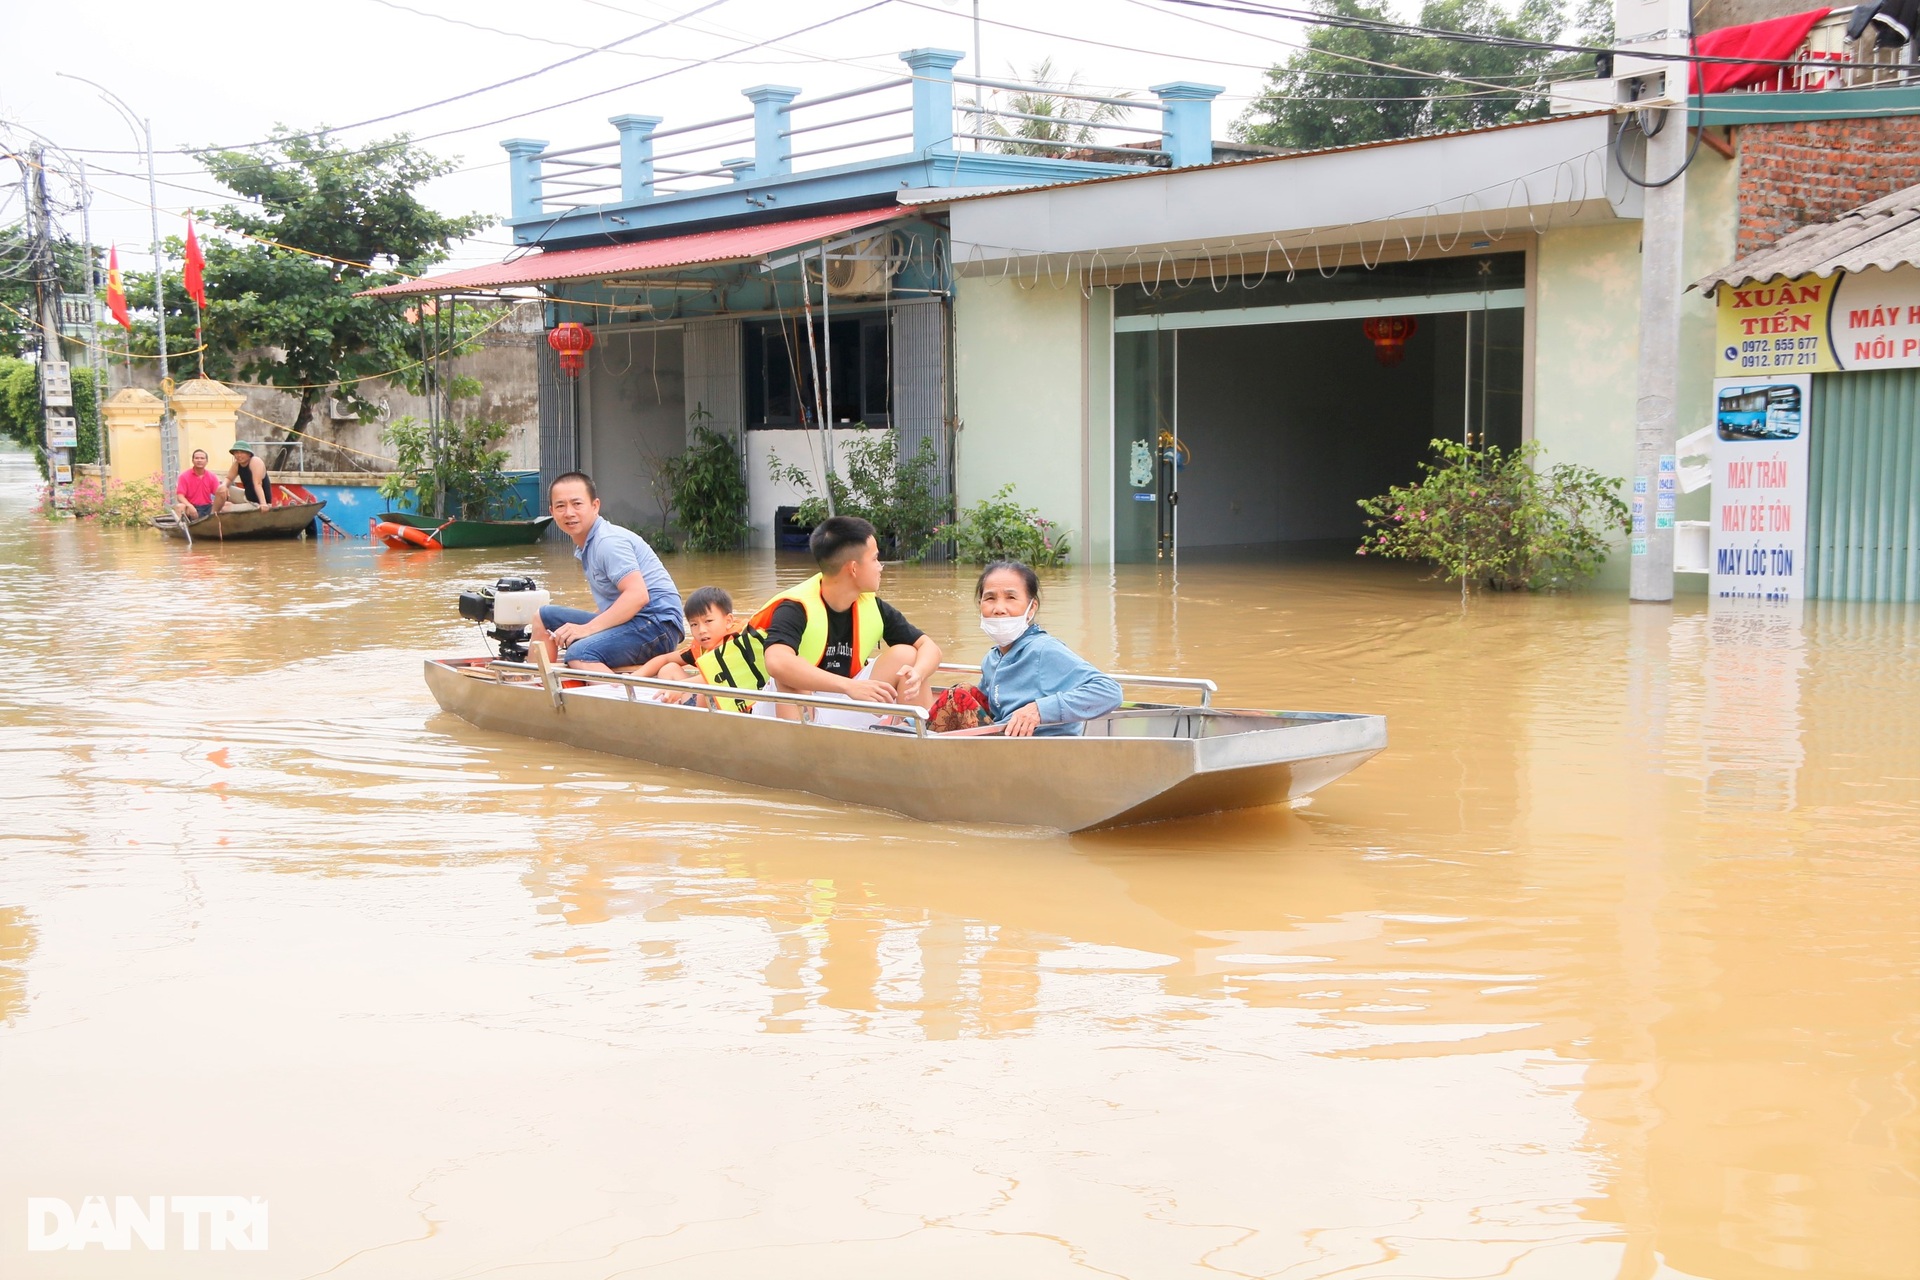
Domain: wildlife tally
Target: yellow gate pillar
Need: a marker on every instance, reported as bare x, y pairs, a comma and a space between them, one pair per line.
207, 413
133, 436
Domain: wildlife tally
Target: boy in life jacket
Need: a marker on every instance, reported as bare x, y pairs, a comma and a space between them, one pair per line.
833, 634
718, 651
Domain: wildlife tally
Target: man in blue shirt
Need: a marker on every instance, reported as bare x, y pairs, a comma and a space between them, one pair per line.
636, 614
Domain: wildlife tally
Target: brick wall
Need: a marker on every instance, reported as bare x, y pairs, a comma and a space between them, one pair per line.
1796, 173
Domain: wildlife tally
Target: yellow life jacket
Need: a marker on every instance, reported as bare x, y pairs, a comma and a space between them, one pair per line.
813, 641
739, 662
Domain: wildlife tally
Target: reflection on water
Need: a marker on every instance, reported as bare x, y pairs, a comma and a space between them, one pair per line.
1608, 966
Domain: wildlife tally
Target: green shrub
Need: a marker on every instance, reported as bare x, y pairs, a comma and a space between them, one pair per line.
998, 528
462, 471
23, 419
706, 495
900, 497
1492, 517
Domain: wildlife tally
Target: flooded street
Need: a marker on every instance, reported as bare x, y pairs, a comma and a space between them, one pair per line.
1608, 966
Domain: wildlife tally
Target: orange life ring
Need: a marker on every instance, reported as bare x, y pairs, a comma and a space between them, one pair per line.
402, 536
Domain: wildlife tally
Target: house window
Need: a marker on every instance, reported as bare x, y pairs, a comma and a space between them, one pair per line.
779, 373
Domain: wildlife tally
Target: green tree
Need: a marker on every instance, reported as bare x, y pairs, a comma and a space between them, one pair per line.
331, 221
19, 324
24, 420
1356, 84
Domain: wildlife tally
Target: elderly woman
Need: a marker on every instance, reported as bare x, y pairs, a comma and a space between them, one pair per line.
1033, 684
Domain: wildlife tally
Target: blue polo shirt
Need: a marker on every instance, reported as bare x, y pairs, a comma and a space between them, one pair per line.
609, 554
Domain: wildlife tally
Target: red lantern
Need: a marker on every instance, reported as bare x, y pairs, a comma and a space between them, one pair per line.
1389, 336
572, 340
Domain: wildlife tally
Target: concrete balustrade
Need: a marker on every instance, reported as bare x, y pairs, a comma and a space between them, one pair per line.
932, 98
636, 155
1189, 120
771, 152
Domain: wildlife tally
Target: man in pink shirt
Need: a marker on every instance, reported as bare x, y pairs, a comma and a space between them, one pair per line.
195, 490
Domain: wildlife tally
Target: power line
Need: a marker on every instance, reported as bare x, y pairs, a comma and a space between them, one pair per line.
1314, 18
458, 97
567, 44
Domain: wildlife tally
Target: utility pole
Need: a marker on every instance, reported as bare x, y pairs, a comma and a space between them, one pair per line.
92, 328
169, 429
1657, 26
56, 386
143, 130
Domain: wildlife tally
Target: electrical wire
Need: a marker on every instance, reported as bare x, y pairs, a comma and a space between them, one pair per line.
625, 53
441, 102
521, 114
1315, 18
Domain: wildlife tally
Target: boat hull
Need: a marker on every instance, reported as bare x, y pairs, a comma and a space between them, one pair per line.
454, 535
1130, 768
288, 521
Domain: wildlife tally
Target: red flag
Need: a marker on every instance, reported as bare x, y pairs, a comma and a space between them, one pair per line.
117, 291
196, 268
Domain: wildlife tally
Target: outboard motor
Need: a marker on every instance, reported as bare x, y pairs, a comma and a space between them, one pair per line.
506, 612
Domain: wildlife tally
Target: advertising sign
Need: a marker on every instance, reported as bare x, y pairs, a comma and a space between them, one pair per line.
1810, 325
1760, 487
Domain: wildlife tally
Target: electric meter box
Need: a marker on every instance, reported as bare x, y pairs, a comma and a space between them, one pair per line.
56, 384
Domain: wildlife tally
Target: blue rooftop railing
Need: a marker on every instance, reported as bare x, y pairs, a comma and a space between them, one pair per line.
646, 162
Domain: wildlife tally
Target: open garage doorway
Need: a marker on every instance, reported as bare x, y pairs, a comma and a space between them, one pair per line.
1265, 437
1261, 438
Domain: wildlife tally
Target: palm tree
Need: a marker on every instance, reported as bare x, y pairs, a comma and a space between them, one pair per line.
1067, 120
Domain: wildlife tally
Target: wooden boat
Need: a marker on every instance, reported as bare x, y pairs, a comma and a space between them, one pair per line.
294, 511
1145, 762
402, 530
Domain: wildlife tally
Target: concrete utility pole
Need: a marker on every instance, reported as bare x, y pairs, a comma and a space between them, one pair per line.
92, 325
143, 130
56, 388
1657, 26
46, 274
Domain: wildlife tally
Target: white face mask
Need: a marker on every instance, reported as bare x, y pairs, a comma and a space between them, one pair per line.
1004, 631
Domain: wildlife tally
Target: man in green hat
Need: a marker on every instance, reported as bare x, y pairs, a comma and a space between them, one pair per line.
248, 486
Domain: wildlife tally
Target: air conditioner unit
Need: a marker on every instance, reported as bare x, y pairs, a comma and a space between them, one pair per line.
342, 410
860, 270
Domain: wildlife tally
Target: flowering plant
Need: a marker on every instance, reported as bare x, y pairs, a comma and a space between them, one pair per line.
1494, 517
116, 504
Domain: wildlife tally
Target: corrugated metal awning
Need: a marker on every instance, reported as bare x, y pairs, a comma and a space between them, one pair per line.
1883, 235
702, 248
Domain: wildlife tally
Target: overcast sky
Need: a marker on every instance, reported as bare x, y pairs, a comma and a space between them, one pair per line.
224, 72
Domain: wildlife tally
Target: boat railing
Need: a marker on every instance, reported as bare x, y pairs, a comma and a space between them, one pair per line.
1205, 688
552, 677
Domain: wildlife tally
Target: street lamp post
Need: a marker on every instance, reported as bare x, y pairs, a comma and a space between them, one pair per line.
143, 131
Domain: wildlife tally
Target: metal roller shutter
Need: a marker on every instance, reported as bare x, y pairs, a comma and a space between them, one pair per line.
1865, 486
920, 380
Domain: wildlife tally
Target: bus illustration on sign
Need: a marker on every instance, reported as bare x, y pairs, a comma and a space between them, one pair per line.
1768, 411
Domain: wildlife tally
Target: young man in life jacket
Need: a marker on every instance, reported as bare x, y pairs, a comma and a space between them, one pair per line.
833, 634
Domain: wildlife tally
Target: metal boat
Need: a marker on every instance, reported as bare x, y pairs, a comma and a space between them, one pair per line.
1146, 762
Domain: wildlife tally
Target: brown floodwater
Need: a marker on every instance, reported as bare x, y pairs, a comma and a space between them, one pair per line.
1608, 966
